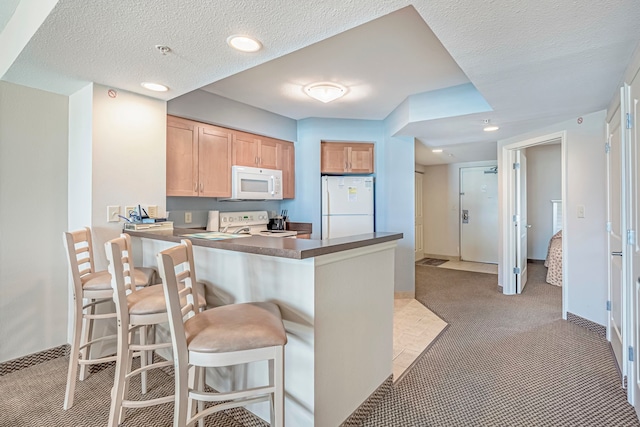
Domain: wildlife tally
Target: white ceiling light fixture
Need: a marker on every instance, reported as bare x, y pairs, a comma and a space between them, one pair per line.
156, 87
244, 43
437, 150
325, 91
489, 127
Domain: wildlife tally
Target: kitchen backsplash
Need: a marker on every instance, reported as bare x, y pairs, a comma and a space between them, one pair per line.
199, 208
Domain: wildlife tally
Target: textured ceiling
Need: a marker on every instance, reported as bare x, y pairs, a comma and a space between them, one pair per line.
534, 62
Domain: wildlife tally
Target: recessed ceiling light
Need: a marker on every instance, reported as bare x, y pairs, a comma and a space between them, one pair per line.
244, 43
437, 150
491, 128
325, 91
157, 87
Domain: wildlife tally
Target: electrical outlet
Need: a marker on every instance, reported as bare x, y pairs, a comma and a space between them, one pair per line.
112, 213
187, 217
152, 211
130, 209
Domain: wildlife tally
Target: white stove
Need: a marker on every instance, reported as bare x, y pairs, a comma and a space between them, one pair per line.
250, 222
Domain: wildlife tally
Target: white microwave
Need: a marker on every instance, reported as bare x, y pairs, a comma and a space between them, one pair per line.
248, 183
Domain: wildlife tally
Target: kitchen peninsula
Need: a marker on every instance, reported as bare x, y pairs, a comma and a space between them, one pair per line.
336, 299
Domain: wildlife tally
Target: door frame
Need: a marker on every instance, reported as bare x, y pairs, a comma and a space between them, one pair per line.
506, 158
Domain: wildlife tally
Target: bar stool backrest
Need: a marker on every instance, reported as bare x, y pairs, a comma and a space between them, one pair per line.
80, 254
121, 269
176, 265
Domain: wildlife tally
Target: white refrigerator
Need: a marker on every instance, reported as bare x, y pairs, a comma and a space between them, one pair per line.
347, 206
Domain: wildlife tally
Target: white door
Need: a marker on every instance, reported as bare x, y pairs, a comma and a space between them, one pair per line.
419, 231
479, 214
615, 207
520, 220
633, 95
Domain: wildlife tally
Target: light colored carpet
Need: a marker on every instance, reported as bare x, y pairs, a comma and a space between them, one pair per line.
505, 361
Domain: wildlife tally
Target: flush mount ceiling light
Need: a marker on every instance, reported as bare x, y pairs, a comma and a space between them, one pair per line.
437, 150
489, 127
325, 91
156, 87
244, 43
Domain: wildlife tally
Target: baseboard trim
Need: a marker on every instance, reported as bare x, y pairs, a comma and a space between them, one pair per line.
33, 359
405, 295
369, 405
587, 324
535, 261
447, 257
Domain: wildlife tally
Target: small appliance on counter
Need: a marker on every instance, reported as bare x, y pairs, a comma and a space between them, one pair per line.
154, 226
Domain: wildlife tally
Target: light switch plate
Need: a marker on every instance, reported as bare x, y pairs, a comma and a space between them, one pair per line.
187, 217
128, 209
152, 211
112, 213
580, 211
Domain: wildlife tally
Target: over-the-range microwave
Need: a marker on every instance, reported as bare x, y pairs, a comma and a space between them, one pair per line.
249, 183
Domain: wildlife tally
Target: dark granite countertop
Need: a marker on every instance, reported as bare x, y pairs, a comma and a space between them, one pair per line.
273, 246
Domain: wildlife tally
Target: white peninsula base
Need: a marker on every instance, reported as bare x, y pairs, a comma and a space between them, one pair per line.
338, 313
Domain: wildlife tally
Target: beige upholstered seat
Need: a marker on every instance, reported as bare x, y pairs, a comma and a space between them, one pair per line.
136, 310
94, 287
222, 336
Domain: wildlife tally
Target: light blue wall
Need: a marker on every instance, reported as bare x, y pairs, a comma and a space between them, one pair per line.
394, 168
306, 207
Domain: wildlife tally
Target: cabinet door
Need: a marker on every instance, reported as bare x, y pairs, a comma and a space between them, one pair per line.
182, 157
333, 158
287, 165
214, 146
246, 149
269, 153
361, 158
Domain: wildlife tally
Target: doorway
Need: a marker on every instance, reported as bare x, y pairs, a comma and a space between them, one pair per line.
511, 227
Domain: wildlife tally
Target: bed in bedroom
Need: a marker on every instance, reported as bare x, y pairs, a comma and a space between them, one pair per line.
554, 260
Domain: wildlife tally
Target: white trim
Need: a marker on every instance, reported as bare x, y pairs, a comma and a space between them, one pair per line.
507, 187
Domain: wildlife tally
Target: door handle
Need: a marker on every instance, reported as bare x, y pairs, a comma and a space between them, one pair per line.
616, 253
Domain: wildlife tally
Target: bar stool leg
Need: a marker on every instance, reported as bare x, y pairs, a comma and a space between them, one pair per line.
118, 392
277, 414
87, 334
143, 358
73, 354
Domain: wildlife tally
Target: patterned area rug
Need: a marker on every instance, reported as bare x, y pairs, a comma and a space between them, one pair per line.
505, 361
431, 261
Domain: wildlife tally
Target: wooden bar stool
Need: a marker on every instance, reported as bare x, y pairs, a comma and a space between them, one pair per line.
95, 287
136, 310
223, 336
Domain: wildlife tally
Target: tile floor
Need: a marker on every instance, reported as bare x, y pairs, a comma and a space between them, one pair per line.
414, 328
478, 267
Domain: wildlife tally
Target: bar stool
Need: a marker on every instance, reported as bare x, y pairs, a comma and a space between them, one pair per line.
95, 287
222, 336
135, 310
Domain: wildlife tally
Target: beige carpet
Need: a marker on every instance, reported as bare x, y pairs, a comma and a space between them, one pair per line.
505, 361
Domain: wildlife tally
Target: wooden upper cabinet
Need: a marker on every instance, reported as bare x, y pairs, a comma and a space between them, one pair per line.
252, 150
214, 168
198, 159
287, 164
200, 156
182, 157
346, 158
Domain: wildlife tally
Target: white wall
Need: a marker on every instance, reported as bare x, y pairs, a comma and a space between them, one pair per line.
128, 159
441, 207
544, 183
33, 215
585, 237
